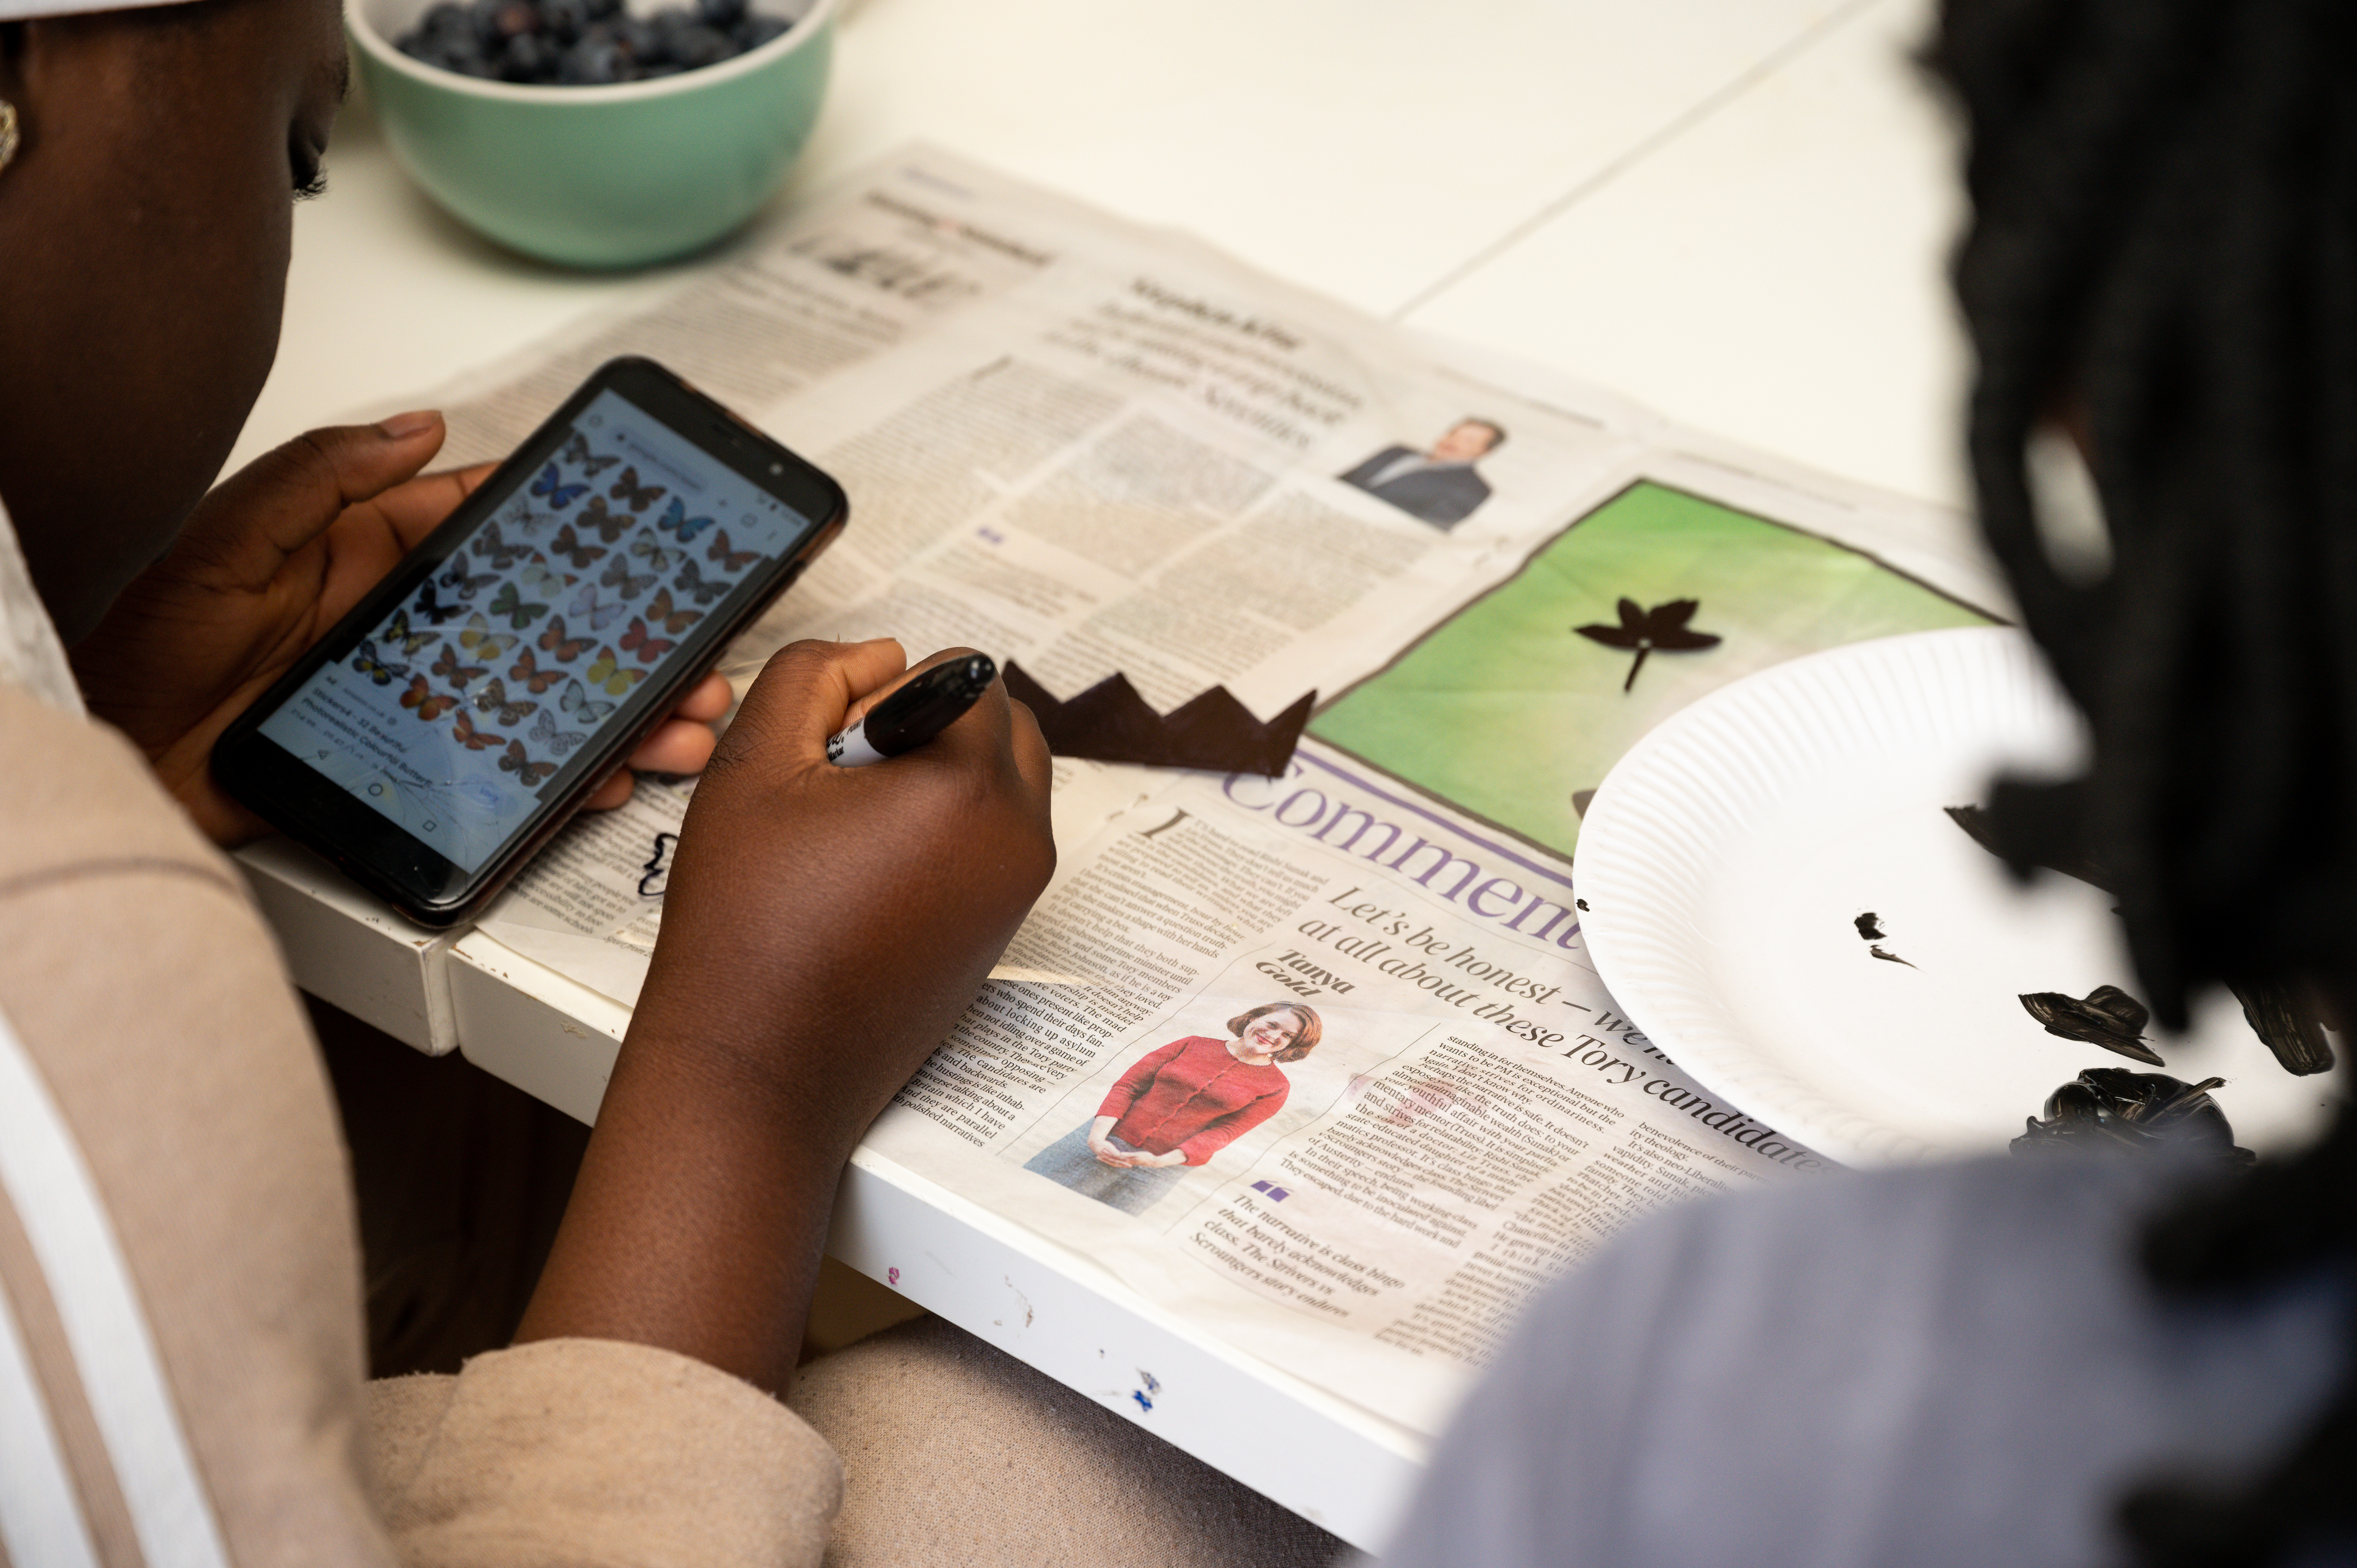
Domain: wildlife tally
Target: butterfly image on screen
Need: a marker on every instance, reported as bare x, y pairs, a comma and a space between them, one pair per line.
480, 641
648, 648
579, 708
383, 672
520, 612
557, 645
646, 547
430, 705
618, 578
550, 486
495, 549
600, 613
568, 546
549, 738
634, 495
609, 526
460, 676
731, 559
608, 670
675, 520
494, 700
527, 672
691, 582
519, 762
460, 580
521, 516
465, 733
655, 879
430, 606
410, 642
577, 451
541, 578
674, 621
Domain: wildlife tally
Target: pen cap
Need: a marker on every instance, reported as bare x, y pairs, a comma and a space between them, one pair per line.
928, 704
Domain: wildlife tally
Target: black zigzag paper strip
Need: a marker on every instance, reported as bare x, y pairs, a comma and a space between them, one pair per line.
1111, 722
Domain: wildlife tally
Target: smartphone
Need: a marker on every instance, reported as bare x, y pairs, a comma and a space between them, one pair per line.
459, 715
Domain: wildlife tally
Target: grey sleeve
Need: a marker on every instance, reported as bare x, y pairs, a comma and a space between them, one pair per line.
1952, 1365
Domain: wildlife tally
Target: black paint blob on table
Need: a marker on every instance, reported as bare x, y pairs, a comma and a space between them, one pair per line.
1642, 632
583, 43
2110, 1107
2281, 1019
2106, 1017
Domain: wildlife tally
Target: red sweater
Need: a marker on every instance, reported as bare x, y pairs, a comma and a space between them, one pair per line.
1192, 1094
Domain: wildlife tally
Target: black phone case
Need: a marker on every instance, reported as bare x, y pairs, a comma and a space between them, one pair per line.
315, 811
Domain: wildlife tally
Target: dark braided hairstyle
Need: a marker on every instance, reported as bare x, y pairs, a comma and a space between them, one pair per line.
2163, 254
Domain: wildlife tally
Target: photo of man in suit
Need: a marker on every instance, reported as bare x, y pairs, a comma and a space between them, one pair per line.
1439, 486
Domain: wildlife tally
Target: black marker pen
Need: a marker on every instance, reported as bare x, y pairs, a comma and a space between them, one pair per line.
915, 713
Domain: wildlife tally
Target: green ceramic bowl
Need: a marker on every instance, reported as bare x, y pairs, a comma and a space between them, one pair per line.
600, 177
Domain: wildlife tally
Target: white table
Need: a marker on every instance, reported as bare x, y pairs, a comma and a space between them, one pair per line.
1735, 210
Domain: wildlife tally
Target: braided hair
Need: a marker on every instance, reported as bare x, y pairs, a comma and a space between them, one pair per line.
2163, 254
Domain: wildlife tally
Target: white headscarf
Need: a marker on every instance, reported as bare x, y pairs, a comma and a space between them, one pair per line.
31, 655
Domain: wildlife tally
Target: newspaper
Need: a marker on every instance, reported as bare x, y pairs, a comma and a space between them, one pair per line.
1094, 448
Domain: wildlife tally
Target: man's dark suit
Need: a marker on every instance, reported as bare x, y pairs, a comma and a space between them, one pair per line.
1443, 496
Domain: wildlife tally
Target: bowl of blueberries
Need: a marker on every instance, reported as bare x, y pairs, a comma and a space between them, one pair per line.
596, 133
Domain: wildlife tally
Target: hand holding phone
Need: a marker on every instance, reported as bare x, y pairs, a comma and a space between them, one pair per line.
271, 558
458, 716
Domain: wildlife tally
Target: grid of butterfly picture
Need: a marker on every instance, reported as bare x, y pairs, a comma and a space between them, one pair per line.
534, 633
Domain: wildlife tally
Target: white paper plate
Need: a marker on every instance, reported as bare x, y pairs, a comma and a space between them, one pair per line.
1724, 862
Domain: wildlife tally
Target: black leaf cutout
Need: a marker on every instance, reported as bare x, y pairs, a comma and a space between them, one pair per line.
2107, 1017
1642, 632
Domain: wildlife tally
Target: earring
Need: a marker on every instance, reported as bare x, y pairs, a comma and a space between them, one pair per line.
8, 136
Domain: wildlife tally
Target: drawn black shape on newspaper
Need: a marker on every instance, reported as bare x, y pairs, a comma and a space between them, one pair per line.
1504, 710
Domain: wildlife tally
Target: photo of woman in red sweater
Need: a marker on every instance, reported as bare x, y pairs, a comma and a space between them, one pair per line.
1180, 1104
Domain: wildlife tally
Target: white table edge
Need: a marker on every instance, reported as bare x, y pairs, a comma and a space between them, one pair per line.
1340, 1467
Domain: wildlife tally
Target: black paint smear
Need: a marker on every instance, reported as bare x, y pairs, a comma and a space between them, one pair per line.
2107, 1017
1870, 928
2110, 1107
1662, 626
2291, 1030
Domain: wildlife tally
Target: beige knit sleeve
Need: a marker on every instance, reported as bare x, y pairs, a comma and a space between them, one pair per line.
590, 1451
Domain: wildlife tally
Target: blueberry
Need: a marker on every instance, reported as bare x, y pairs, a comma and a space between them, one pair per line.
450, 28
528, 58
719, 12
695, 48
757, 29
593, 62
637, 37
563, 20
602, 10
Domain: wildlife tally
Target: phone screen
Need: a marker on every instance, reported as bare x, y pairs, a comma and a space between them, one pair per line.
549, 625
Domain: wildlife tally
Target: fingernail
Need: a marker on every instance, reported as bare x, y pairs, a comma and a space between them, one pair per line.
401, 426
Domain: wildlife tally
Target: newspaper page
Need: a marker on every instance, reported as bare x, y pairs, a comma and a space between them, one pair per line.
1318, 1060
1458, 1114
